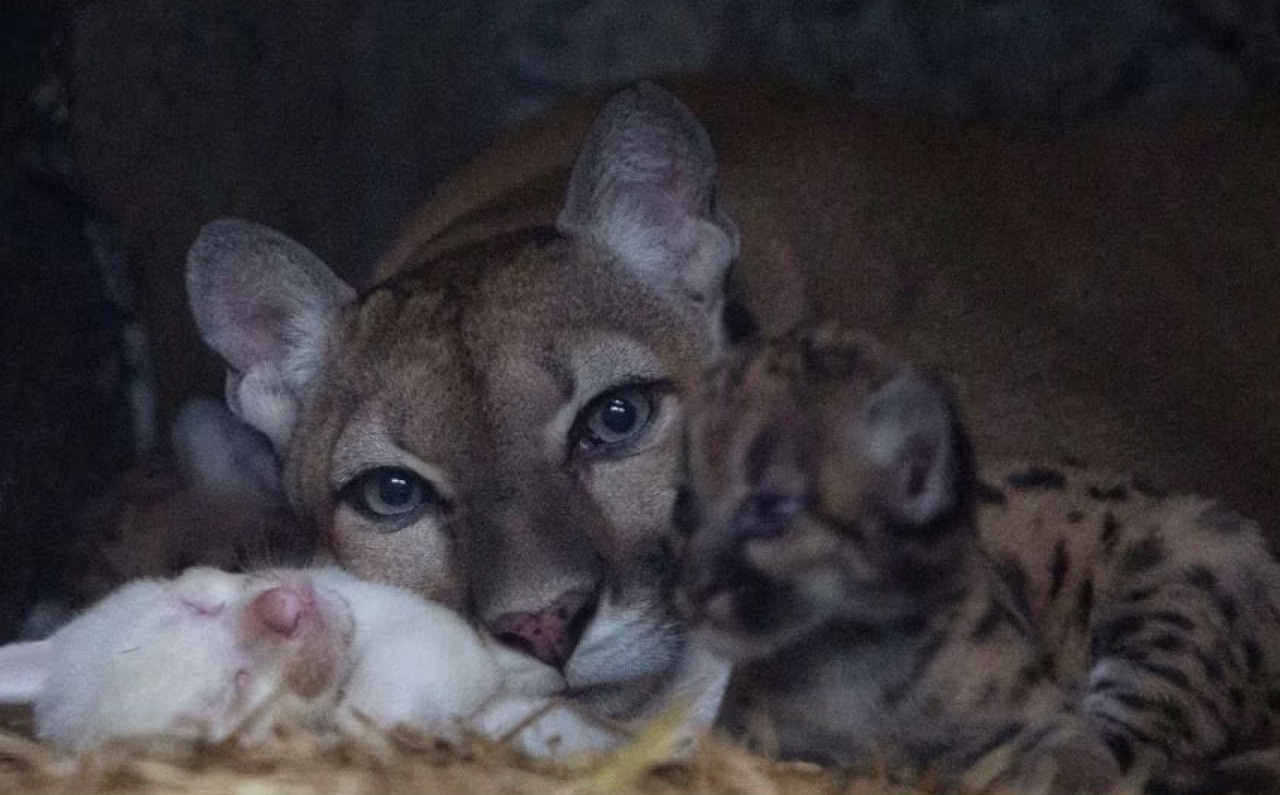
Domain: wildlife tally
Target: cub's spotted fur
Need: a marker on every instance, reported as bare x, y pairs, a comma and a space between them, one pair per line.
879, 598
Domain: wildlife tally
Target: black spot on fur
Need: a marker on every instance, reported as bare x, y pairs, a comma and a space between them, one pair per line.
1059, 568
1132, 700
1084, 603
987, 494
1252, 657
1168, 642
1227, 606
1273, 700
988, 621
1170, 674
1010, 570
1110, 533
1075, 517
738, 322
1176, 715
1200, 577
1175, 619
1121, 748
1212, 668
1117, 493
1144, 555
1109, 635
1141, 595
1037, 478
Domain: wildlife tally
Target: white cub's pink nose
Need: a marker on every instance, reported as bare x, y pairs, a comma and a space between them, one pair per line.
284, 608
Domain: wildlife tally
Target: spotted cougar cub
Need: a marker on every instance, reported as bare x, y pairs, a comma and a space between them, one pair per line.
878, 598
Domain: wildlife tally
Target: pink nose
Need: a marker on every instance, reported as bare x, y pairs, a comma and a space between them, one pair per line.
284, 608
551, 634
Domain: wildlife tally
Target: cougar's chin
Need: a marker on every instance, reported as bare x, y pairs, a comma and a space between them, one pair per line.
625, 657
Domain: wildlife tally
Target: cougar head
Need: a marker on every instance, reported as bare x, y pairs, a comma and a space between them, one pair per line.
499, 428
828, 481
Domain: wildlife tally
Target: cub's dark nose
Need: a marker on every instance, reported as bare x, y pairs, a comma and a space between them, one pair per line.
552, 633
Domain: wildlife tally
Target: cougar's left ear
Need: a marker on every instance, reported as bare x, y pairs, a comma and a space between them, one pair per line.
644, 187
266, 304
907, 430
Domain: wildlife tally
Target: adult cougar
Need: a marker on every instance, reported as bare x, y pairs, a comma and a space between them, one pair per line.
496, 422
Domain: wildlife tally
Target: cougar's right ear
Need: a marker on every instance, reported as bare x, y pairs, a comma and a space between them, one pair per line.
644, 187
265, 304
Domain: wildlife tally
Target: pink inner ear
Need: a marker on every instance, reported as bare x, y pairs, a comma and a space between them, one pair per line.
24, 667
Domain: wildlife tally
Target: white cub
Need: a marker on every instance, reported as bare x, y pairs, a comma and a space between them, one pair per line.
215, 655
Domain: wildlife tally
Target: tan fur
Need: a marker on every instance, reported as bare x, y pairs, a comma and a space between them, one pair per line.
1077, 620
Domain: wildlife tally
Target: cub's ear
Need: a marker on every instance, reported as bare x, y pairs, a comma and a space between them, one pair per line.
907, 430
266, 305
24, 667
644, 187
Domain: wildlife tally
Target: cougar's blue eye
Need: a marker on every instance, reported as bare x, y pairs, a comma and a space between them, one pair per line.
615, 417
389, 493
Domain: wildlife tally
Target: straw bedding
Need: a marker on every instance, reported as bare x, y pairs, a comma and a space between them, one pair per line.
372, 762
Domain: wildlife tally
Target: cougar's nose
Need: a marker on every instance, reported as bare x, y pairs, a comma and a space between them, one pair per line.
552, 633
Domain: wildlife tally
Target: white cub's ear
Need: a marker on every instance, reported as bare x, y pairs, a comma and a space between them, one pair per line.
221, 455
24, 667
266, 304
907, 431
644, 187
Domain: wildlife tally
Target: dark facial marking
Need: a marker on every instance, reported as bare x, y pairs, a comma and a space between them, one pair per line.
1010, 571
1074, 517
1084, 603
1058, 569
1110, 532
1037, 478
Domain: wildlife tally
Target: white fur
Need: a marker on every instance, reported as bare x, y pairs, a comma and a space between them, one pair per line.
165, 657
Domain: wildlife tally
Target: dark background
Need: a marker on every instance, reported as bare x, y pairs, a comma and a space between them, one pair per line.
125, 125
